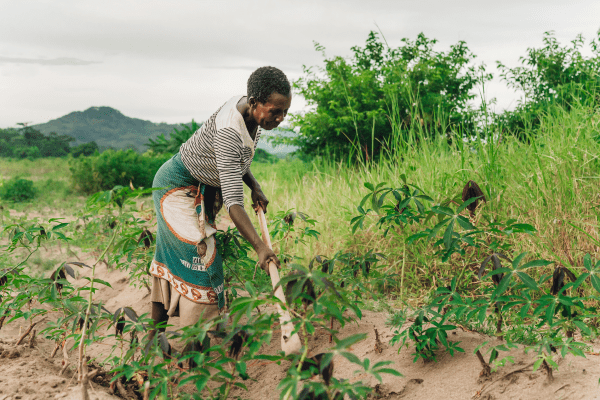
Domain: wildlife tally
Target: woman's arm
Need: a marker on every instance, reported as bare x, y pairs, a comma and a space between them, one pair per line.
250, 180
258, 197
242, 223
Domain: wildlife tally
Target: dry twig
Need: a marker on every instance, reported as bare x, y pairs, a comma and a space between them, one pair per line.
32, 339
24, 335
378, 344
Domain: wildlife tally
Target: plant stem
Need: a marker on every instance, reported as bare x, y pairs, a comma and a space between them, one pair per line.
486, 368
402, 274
299, 368
89, 306
230, 383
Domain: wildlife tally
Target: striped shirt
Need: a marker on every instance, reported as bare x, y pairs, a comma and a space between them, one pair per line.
220, 152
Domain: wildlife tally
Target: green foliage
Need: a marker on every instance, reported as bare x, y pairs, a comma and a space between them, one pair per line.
8, 138
552, 74
372, 101
115, 167
85, 149
17, 190
264, 156
30, 143
516, 292
215, 369
162, 145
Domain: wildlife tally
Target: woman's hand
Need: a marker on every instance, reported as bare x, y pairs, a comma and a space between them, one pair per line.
242, 222
265, 256
259, 199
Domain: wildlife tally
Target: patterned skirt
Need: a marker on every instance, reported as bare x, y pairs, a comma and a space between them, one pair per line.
187, 255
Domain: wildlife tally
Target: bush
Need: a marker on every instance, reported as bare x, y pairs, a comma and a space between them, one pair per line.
17, 190
31, 153
175, 140
264, 156
548, 76
364, 103
115, 167
85, 149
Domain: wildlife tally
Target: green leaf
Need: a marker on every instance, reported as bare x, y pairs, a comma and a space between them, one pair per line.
480, 346
517, 260
496, 272
537, 364
390, 371
466, 204
465, 223
100, 281
502, 286
596, 282
436, 228
448, 234
527, 280
550, 312
443, 210
349, 341
351, 357
587, 262
59, 226
536, 263
583, 327
482, 314
241, 368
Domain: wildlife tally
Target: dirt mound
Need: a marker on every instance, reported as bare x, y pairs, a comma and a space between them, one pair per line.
27, 372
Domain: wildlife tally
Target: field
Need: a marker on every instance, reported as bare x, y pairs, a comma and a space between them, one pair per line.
400, 278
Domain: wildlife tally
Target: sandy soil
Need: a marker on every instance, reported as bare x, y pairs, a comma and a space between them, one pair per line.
28, 372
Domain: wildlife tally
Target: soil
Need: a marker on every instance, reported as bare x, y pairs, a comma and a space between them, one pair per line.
28, 372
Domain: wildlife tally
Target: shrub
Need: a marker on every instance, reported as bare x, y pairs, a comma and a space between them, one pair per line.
360, 103
175, 140
111, 168
550, 75
31, 153
264, 156
85, 149
17, 190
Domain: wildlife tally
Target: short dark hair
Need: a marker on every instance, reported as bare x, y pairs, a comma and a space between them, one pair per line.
268, 80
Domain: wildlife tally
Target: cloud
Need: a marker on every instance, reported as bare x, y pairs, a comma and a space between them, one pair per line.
47, 61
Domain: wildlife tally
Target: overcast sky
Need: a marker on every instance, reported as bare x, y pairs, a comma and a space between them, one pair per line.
171, 61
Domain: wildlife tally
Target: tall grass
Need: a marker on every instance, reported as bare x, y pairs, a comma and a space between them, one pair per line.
552, 183
52, 181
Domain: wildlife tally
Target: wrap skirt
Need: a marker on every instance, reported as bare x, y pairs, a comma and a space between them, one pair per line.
187, 268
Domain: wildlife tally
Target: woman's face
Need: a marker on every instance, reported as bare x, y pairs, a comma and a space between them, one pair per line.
270, 114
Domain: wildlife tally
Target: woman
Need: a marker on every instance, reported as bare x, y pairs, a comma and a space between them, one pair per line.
209, 171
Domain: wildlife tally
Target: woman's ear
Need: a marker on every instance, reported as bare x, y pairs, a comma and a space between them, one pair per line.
252, 101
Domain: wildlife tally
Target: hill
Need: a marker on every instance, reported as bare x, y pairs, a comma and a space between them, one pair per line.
108, 127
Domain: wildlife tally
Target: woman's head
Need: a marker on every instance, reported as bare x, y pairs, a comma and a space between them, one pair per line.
269, 96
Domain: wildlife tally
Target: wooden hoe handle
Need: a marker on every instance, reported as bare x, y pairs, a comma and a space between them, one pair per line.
289, 343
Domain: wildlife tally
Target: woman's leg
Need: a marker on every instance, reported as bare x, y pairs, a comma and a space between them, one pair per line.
159, 316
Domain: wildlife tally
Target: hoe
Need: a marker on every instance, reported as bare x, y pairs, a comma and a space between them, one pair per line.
289, 343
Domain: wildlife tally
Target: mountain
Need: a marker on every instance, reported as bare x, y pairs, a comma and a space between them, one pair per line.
108, 127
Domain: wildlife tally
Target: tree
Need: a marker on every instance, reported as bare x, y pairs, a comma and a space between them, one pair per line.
359, 104
7, 137
550, 75
85, 149
162, 145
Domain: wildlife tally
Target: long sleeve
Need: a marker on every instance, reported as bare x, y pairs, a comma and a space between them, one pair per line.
228, 154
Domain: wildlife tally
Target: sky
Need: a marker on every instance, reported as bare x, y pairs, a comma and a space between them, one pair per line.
171, 61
